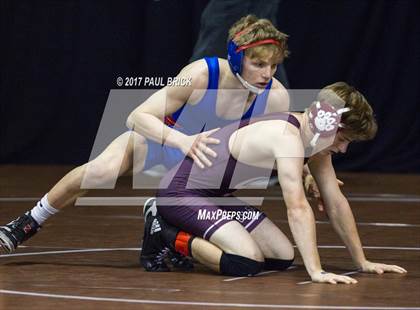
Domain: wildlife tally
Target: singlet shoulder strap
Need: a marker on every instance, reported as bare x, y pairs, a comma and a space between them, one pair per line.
213, 65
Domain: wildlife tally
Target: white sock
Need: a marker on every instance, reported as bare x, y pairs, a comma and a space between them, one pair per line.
43, 210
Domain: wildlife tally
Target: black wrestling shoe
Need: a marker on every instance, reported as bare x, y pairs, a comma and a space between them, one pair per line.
159, 248
149, 208
153, 250
17, 231
180, 261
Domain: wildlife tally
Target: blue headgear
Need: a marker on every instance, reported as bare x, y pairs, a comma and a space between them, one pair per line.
235, 58
236, 53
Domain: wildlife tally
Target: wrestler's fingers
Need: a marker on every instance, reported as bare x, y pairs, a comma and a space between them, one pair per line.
209, 132
197, 161
320, 205
314, 191
351, 280
205, 149
344, 279
378, 269
395, 268
208, 140
401, 269
203, 158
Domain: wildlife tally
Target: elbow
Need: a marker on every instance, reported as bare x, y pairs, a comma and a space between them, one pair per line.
130, 122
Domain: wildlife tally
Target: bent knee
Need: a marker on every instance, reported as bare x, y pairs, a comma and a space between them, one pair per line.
239, 266
287, 253
283, 251
251, 251
99, 174
277, 263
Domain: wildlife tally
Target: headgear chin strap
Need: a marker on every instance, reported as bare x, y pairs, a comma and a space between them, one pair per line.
324, 120
249, 86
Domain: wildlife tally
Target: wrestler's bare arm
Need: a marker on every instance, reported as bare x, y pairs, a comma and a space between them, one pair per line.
337, 206
147, 119
289, 162
279, 101
300, 216
341, 216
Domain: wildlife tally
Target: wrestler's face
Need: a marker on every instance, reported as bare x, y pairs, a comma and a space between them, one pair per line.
340, 145
259, 71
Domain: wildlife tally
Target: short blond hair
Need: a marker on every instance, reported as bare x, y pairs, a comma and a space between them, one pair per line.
250, 29
359, 123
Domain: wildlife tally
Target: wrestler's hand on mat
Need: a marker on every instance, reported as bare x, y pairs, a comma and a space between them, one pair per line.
379, 268
196, 147
313, 191
332, 278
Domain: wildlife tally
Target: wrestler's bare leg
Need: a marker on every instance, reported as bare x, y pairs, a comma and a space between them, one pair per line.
222, 240
272, 242
114, 161
118, 158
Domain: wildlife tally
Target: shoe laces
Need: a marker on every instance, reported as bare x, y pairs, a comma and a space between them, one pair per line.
18, 221
160, 257
15, 223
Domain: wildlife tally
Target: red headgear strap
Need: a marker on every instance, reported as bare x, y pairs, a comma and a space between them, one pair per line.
256, 43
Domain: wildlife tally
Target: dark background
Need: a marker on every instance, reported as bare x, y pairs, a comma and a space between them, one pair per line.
59, 59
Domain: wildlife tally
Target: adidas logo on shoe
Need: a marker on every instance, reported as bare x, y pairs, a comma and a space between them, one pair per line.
149, 208
155, 227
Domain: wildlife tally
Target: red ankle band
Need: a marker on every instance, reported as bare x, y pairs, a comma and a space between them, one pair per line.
183, 243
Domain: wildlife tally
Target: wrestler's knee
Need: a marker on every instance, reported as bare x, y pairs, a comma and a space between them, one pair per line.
277, 263
251, 252
284, 251
242, 245
102, 170
116, 159
239, 266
